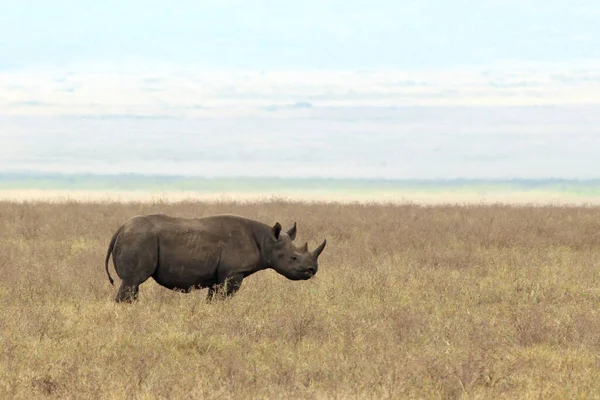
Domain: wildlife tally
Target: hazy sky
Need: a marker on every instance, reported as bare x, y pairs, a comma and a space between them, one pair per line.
307, 34
185, 57
274, 68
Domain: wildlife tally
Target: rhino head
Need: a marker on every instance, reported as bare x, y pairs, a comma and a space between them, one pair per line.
295, 263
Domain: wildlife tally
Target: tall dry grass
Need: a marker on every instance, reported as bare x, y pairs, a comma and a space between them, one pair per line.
409, 302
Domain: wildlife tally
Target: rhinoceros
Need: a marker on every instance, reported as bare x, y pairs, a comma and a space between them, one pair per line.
215, 252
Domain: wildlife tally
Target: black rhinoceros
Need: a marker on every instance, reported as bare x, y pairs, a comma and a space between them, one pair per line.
215, 252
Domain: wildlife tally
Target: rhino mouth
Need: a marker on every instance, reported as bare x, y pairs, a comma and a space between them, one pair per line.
301, 274
309, 272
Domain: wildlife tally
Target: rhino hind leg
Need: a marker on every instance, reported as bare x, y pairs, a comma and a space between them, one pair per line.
135, 262
127, 293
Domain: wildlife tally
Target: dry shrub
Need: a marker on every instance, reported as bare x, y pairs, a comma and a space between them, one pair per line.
410, 302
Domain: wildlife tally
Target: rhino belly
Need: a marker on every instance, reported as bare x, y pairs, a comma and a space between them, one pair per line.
177, 272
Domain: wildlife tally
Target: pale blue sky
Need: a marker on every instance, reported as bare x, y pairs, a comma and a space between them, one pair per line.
374, 88
307, 34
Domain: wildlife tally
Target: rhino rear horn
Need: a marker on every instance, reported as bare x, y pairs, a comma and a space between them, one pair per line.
276, 230
304, 247
317, 252
292, 232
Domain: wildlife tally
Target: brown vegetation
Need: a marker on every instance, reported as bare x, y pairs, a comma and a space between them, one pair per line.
409, 301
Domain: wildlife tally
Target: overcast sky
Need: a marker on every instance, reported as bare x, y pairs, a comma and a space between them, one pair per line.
120, 56
307, 34
323, 61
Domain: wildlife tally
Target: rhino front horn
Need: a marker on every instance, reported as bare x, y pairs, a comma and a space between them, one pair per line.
317, 252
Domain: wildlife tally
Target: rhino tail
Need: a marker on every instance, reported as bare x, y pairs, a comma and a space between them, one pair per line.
111, 246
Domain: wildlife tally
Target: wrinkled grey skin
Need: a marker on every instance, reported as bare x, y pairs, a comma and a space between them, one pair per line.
215, 252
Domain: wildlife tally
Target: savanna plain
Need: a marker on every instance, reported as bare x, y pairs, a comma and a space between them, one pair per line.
410, 301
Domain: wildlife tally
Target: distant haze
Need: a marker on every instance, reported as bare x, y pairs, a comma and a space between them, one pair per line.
376, 89
422, 143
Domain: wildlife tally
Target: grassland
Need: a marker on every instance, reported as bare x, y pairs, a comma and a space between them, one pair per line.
482, 301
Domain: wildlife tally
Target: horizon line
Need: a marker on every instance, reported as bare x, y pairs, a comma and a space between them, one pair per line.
28, 174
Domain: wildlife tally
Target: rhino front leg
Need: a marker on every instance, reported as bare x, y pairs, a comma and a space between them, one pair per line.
226, 288
211, 293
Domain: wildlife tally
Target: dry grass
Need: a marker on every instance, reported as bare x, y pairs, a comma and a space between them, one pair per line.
410, 302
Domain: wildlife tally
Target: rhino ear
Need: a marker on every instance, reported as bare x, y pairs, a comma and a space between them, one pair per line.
276, 230
292, 232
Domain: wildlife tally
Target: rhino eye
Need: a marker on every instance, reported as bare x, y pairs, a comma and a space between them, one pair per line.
294, 258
